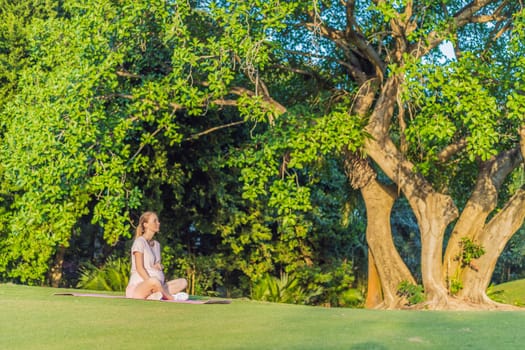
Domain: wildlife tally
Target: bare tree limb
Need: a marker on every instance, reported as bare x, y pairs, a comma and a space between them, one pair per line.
215, 128
126, 74
451, 150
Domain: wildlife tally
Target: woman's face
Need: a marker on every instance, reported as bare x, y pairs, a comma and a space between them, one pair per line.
152, 224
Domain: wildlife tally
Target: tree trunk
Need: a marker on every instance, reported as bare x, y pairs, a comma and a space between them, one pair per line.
493, 239
473, 218
471, 221
55, 272
379, 200
433, 211
374, 296
386, 268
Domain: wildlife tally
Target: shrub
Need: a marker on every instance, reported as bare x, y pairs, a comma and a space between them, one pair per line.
331, 285
283, 289
112, 276
203, 272
413, 293
336, 281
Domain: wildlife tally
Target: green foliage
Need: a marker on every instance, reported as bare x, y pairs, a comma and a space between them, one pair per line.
330, 285
301, 145
448, 108
203, 273
414, 294
298, 225
455, 286
469, 252
112, 276
63, 148
336, 283
104, 95
229, 119
285, 289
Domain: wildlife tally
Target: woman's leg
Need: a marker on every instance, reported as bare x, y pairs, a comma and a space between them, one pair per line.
148, 287
177, 285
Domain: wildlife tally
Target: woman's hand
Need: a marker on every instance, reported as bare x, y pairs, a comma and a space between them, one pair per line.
158, 266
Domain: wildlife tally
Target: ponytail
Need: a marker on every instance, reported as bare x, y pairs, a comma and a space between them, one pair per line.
143, 218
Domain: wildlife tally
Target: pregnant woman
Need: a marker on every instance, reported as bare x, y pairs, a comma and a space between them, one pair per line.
147, 278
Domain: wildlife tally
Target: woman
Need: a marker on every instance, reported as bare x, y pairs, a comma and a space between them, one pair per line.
147, 279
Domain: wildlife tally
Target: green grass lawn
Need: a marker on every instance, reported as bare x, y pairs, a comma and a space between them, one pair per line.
33, 318
509, 293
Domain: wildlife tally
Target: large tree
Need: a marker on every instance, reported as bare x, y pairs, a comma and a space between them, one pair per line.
464, 117
446, 132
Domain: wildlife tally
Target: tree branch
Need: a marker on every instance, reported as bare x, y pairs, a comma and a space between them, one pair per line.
466, 14
381, 117
307, 73
461, 18
236, 90
503, 164
353, 44
215, 128
521, 133
354, 71
126, 74
482, 202
512, 214
451, 150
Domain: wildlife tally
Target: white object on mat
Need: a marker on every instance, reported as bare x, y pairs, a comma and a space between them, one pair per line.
181, 296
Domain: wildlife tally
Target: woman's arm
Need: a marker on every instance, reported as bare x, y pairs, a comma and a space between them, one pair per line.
139, 265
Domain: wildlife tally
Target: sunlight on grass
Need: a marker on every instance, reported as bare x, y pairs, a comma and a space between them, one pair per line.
34, 318
512, 293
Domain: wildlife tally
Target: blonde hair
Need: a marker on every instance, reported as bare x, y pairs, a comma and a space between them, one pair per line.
143, 218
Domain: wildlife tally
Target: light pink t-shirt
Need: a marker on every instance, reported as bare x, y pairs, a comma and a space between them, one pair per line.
151, 257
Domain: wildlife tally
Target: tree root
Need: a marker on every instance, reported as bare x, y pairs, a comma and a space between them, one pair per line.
450, 303
457, 304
